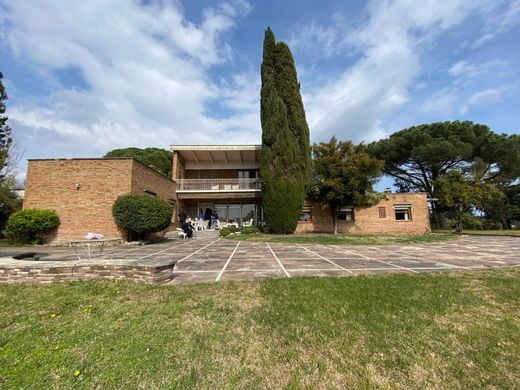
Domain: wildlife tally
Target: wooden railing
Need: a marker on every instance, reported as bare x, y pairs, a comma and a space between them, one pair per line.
218, 184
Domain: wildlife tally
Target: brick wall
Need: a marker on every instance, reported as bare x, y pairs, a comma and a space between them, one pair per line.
367, 220
60, 273
51, 184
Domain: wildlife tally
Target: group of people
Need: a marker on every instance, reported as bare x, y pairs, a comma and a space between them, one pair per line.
209, 216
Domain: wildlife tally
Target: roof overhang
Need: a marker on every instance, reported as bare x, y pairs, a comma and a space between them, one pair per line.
219, 156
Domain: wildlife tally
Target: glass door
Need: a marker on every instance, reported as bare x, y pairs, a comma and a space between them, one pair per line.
234, 214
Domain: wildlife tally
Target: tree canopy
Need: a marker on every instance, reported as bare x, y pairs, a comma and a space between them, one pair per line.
343, 175
418, 156
461, 196
285, 161
159, 159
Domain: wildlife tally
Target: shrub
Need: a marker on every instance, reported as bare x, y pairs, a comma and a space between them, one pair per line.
28, 226
224, 232
249, 230
140, 215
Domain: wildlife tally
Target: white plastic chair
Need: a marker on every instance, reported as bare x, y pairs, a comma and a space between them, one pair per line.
248, 223
181, 233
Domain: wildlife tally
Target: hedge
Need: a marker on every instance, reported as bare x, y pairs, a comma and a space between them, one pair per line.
28, 226
141, 214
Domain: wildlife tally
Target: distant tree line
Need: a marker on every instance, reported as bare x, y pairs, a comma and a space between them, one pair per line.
159, 159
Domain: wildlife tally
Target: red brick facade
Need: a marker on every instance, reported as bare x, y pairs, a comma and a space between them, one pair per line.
378, 219
82, 191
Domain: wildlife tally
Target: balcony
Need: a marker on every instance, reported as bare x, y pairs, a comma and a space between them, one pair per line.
217, 185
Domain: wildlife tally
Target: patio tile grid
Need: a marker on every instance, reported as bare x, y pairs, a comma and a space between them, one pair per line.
216, 259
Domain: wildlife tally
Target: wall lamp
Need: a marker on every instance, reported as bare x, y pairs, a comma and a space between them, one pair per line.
78, 186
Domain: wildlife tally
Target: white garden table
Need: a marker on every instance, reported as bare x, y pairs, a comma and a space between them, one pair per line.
94, 247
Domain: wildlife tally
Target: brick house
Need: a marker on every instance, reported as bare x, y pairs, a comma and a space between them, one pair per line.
82, 191
224, 178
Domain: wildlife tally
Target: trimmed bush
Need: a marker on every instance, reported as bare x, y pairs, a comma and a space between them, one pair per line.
224, 232
140, 215
249, 230
28, 226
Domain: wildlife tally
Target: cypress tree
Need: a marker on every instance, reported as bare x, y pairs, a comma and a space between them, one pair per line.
288, 89
280, 166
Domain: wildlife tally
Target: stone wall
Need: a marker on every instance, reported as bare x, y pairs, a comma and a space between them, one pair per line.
82, 191
55, 273
368, 221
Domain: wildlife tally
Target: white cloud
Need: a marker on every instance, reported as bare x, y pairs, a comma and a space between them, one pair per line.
464, 70
498, 24
443, 102
390, 42
315, 38
486, 96
147, 70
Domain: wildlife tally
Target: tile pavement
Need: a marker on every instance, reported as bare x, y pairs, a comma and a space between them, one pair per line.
209, 259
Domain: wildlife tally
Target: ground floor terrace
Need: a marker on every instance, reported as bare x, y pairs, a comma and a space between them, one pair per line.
213, 259
228, 210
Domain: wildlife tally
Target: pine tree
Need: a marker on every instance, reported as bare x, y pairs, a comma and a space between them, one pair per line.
5, 133
280, 167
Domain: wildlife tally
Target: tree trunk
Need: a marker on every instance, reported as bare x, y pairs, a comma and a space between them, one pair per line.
440, 217
504, 224
334, 218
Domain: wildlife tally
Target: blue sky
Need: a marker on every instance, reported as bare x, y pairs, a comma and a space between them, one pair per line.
86, 77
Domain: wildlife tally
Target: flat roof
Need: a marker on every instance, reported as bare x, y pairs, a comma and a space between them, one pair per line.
215, 148
80, 158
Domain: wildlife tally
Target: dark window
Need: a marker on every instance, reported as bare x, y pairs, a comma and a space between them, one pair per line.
306, 214
346, 214
382, 212
403, 214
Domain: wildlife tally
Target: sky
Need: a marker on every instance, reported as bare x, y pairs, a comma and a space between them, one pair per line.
85, 77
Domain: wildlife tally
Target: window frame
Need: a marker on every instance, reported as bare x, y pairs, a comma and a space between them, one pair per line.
406, 209
347, 210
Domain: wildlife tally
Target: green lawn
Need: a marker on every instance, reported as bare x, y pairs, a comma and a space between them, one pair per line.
482, 232
344, 239
438, 330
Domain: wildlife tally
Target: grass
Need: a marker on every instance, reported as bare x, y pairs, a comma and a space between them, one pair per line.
344, 239
444, 330
515, 233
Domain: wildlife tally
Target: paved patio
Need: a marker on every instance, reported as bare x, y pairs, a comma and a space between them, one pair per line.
215, 259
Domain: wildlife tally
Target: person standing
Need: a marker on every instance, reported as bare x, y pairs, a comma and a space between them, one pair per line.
207, 216
214, 219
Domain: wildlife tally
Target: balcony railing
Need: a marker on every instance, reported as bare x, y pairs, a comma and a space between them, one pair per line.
225, 185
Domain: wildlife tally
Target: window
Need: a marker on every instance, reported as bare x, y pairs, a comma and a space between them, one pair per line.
346, 214
382, 212
403, 212
306, 214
